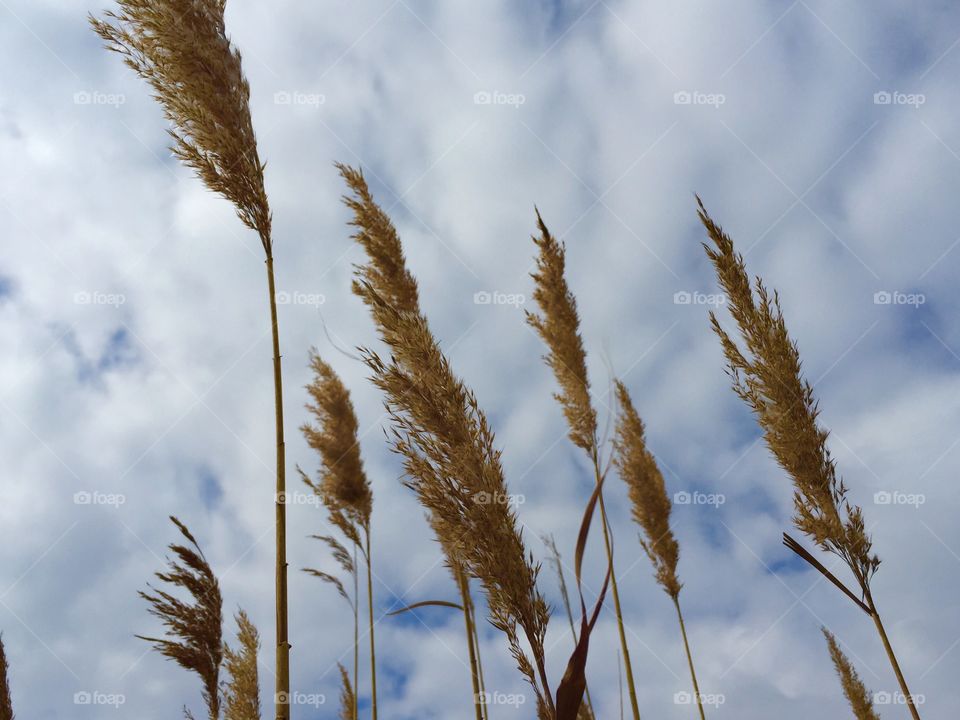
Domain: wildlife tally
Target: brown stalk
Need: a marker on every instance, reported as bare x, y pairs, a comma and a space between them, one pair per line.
180, 47
766, 375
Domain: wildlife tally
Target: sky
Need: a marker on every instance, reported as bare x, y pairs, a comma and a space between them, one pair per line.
135, 359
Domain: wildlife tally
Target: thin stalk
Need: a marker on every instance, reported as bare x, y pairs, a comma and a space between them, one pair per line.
283, 645
356, 635
628, 668
686, 646
476, 645
478, 699
893, 658
373, 649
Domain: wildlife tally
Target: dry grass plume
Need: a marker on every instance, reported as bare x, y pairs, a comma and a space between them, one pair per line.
193, 627
449, 452
853, 688
241, 692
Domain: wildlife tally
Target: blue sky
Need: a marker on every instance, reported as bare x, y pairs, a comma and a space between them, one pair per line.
135, 358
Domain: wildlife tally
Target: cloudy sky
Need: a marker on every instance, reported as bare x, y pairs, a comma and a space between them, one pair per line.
135, 354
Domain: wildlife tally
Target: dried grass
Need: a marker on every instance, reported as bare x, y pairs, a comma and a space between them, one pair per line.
241, 692
193, 627
853, 688
449, 452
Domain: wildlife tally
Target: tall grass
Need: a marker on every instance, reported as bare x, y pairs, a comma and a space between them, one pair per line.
853, 688
559, 327
651, 510
180, 47
343, 486
766, 375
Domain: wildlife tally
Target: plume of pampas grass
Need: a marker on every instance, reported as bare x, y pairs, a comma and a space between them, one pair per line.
342, 485
241, 692
651, 509
348, 699
195, 626
180, 47
766, 375
559, 327
853, 688
448, 447
6, 704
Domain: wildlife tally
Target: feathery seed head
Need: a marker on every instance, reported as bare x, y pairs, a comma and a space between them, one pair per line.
194, 625
559, 327
6, 704
853, 688
648, 492
241, 693
343, 484
766, 375
181, 48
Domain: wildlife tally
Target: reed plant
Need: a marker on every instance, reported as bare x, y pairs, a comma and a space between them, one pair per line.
651, 509
343, 487
450, 457
766, 375
181, 48
558, 326
193, 632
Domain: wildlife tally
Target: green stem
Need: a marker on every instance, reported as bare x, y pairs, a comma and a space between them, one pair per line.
373, 649
686, 646
283, 645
